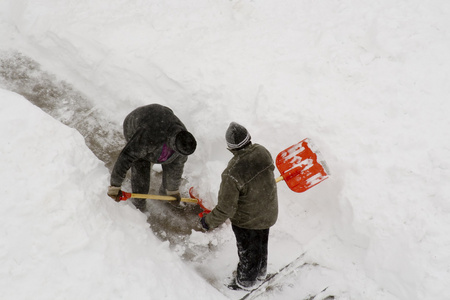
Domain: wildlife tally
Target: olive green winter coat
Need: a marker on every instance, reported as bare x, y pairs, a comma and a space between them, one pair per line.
248, 192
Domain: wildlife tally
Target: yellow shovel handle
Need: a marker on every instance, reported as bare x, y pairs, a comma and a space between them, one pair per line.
160, 197
279, 179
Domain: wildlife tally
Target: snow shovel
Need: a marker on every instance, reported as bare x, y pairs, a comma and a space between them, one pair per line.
301, 166
194, 199
194, 195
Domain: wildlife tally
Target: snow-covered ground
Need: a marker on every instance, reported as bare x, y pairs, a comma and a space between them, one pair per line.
367, 81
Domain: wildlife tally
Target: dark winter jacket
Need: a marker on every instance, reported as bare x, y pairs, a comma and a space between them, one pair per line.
146, 130
248, 192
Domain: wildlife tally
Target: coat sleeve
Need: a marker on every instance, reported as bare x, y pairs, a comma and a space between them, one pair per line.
136, 148
227, 202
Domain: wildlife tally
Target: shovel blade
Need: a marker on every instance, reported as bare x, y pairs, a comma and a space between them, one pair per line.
302, 166
195, 195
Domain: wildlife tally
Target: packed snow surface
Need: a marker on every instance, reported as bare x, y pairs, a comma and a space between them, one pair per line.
366, 81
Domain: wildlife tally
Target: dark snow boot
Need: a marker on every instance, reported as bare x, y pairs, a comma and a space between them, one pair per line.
246, 286
233, 286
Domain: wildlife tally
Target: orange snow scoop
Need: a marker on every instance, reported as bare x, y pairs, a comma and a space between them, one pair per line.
301, 166
194, 195
126, 196
194, 199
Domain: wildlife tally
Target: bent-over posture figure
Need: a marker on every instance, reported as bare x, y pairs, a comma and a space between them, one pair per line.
154, 135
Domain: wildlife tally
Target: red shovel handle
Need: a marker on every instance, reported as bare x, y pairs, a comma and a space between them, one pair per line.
124, 196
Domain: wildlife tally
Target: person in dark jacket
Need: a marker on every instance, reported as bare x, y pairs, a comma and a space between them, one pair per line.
154, 135
248, 197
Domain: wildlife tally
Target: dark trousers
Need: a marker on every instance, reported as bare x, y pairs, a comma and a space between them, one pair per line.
140, 177
140, 181
252, 251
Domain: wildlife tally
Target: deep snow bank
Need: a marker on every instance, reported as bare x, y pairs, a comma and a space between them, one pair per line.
61, 238
366, 80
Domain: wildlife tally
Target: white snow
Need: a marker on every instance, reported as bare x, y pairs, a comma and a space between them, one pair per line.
61, 238
367, 81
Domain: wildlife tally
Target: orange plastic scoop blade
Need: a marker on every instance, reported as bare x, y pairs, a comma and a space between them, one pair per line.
302, 166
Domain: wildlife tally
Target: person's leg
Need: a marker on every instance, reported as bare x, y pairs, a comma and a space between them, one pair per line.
140, 182
249, 251
262, 272
171, 178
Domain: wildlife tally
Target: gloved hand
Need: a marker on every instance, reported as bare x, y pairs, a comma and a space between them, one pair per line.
175, 194
205, 226
115, 193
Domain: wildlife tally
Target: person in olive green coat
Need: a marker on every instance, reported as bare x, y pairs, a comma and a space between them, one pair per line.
248, 197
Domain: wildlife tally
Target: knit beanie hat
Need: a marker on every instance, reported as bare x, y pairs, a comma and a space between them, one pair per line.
237, 136
185, 143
